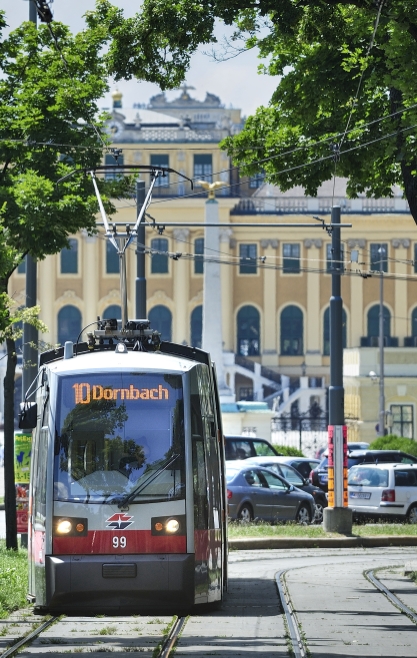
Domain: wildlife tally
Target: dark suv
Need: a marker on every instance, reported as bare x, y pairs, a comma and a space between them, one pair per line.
242, 447
319, 476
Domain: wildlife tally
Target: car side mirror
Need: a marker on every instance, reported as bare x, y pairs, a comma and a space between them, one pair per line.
28, 415
306, 481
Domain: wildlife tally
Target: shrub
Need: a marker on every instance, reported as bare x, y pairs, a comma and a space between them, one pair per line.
392, 442
288, 451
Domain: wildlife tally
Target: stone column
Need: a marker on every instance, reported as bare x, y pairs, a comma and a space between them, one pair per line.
226, 279
312, 323
401, 327
47, 274
181, 276
269, 337
212, 301
90, 277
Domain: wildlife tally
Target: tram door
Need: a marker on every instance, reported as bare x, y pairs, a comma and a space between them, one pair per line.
207, 493
38, 517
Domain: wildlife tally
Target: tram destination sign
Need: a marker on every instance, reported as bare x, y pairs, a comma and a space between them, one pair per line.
85, 393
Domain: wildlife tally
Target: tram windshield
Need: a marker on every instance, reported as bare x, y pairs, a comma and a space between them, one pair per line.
118, 437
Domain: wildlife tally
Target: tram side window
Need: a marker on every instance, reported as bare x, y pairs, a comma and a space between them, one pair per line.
200, 486
40, 505
205, 391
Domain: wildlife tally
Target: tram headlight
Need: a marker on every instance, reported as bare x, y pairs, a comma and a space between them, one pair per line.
172, 526
162, 526
70, 526
64, 527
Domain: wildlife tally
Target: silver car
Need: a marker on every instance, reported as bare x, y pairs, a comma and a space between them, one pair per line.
255, 492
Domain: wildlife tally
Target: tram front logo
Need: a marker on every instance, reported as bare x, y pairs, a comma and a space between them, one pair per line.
119, 521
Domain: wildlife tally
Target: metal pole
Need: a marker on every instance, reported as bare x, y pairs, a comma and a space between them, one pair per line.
140, 255
336, 392
381, 424
337, 517
30, 333
33, 16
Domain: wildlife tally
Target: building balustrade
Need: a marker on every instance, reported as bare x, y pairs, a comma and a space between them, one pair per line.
373, 341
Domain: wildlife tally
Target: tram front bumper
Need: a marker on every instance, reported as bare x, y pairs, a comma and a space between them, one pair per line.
118, 582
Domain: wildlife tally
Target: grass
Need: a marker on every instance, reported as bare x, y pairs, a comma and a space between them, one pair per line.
13, 580
243, 530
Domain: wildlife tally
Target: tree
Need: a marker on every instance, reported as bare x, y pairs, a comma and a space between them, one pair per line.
49, 125
329, 80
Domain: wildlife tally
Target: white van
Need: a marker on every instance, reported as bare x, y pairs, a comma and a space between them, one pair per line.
383, 491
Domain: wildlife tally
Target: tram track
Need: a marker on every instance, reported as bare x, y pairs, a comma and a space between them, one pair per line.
29, 638
296, 641
166, 642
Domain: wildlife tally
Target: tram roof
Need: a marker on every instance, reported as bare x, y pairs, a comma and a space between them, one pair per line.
110, 360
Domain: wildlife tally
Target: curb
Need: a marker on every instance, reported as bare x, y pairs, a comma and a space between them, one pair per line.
320, 542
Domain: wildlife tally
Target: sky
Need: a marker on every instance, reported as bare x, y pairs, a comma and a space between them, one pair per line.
235, 81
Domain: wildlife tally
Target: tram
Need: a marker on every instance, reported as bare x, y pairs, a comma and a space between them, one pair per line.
127, 498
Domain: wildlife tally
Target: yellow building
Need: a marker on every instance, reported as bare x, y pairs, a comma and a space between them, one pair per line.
275, 280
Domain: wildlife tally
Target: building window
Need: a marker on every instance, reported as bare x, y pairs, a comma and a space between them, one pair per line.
257, 179
111, 174
69, 324
112, 259
248, 331
111, 312
415, 258
373, 322
402, 420
196, 327
69, 258
414, 322
379, 256
21, 268
199, 256
326, 331
160, 160
291, 331
159, 256
291, 258
329, 258
248, 259
203, 167
160, 318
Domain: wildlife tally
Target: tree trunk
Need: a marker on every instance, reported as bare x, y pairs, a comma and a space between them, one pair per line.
407, 168
9, 458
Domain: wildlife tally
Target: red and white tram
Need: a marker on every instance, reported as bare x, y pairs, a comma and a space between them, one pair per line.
127, 492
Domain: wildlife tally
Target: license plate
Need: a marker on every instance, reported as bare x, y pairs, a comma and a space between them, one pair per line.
360, 494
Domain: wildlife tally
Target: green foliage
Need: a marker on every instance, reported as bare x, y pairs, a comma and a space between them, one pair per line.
49, 126
13, 580
393, 442
288, 451
329, 80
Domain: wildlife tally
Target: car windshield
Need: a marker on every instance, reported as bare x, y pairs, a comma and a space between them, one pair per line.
119, 434
370, 477
352, 461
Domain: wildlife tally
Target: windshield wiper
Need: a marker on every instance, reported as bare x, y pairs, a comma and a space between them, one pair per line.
150, 479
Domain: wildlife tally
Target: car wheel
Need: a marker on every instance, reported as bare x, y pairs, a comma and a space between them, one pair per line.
412, 514
303, 515
318, 512
245, 513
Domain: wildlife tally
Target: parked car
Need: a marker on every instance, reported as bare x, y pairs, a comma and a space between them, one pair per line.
294, 477
255, 492
383, 491
319, 476
242, 447
303, 465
